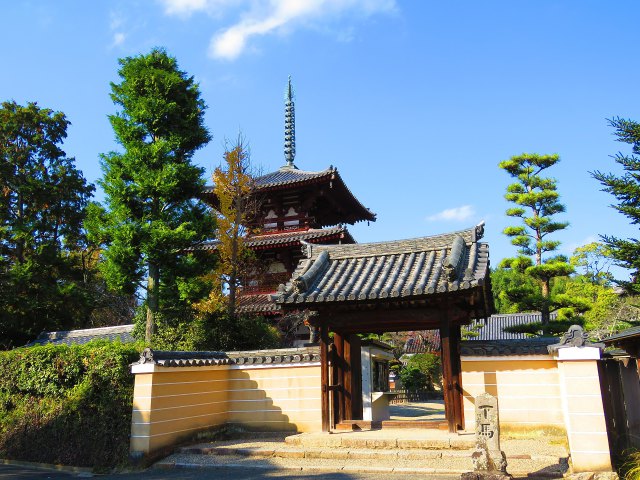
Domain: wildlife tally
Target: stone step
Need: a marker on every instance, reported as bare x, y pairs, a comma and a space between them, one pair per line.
359, 425
419, 439
285, 451
373, 463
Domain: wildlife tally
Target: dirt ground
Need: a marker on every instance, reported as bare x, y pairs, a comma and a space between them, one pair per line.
431, 410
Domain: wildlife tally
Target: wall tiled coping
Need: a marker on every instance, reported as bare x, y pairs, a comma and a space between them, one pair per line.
165, 358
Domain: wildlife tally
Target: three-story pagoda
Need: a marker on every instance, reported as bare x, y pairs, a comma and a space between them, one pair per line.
296, 206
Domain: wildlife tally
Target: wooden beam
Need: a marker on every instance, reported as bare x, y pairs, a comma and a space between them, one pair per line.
456, 376
356, 378
324, 377
339, 367
447, 373
335, 386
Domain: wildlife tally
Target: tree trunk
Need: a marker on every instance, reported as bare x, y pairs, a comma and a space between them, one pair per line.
153, 282
544, 311
233, 278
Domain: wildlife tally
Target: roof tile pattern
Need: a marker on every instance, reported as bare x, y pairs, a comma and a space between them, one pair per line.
261, 303
397, 269
490, 348
122, 333
289, 177
493, 327
206, 359
313, 235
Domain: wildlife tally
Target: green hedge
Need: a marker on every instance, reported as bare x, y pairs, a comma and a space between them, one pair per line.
67, 405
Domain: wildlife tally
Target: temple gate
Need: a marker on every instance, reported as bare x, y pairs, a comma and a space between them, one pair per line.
438, 282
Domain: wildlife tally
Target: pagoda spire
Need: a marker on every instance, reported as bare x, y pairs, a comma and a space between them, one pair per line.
289, 126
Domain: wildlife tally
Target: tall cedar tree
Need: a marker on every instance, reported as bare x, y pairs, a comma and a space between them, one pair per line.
237, 207
536, 200
42, 205
626, 189
151, 217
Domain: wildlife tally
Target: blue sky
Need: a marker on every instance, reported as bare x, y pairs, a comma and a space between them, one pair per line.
416, 102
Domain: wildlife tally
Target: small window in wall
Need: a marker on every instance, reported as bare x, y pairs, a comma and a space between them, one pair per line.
380, 374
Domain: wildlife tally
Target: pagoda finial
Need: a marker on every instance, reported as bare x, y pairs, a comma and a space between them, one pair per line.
289, 125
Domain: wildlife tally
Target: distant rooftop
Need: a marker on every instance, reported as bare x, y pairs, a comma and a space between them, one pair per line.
493, 327
122, 333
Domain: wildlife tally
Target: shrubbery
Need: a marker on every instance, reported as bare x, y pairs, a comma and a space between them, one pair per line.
423, 371
67, 405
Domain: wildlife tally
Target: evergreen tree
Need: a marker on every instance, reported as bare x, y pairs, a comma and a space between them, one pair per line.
536, 200
626, 189
42, 205
151, 218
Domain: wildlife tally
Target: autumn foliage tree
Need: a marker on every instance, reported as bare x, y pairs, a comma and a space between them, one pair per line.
235, 212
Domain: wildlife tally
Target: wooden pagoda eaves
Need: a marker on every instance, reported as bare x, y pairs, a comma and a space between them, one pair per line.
405, 282
342, 205
288, 238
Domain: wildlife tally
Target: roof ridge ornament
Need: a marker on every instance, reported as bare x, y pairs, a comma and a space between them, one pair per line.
289, 126
479, 231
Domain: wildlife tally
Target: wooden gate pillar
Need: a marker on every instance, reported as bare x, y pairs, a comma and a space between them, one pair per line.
451, 373
324, 377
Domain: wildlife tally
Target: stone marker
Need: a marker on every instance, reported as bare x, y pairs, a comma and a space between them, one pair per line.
489, 462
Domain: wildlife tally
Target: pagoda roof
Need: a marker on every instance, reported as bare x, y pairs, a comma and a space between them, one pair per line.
257, 303
289, 177
290, 238
403, 270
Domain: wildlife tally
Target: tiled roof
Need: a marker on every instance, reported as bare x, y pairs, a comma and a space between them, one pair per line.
493, 327
205, 359
291, 175
530, 346
257, 303
286, 177
627, 334
281, 239
423, 341
122, 333
404, 268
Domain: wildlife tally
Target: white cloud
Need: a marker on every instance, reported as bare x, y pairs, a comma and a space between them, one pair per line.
118, 39
263, 17
116, 24
183, 8
457, 214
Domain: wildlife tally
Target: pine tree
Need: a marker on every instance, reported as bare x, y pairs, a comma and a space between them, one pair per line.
151, 218
626, 189
536, 200
42, 206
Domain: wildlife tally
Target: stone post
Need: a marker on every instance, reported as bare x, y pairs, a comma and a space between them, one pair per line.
582, 401
489, 461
